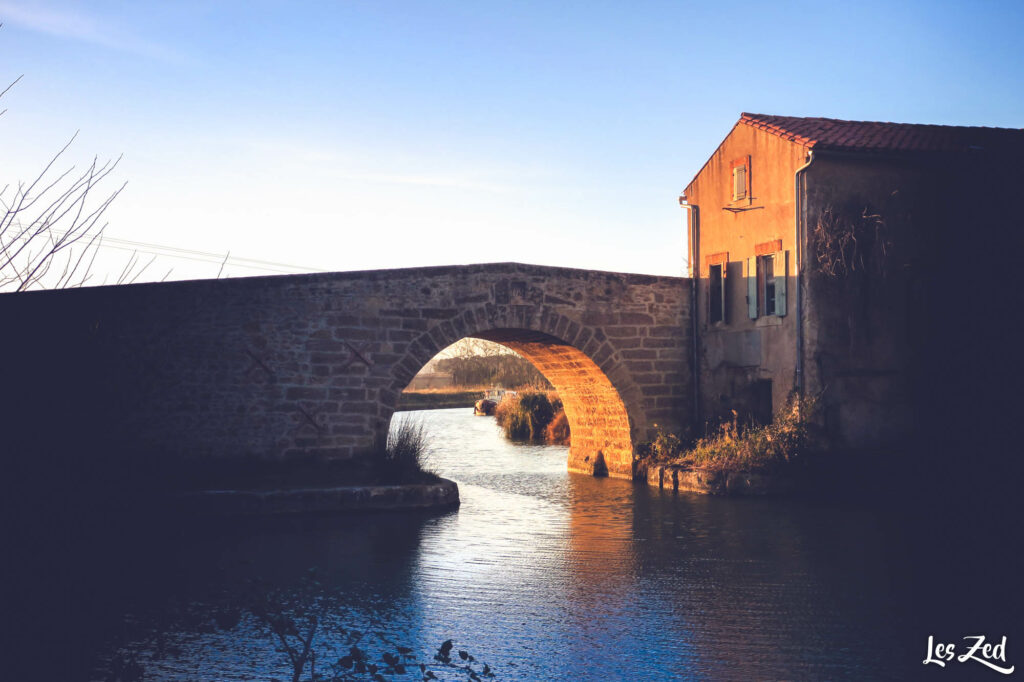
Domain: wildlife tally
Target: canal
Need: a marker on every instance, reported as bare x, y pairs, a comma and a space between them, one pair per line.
546, 575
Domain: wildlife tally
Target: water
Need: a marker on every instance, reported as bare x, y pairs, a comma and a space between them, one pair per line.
547, 575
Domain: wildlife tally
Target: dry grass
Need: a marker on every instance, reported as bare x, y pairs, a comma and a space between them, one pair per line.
732, 447
557, 432
403, 458
525, 415
451, 389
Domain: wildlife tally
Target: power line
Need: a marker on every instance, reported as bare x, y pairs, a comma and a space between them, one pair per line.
194, 255
207, 254
216, 261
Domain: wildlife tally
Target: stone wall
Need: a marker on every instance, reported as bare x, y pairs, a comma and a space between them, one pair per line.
310, 367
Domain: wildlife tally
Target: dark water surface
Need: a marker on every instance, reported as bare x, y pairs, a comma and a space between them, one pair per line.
547, 575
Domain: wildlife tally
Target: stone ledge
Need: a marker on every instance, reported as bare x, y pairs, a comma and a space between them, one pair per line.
509, 269
687, 479
441, 495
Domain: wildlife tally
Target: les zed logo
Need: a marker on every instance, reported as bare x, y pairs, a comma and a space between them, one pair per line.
980, 651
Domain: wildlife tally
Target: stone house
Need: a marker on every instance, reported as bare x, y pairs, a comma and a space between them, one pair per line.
855, 260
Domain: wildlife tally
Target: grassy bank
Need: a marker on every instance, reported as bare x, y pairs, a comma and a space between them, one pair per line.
732, 447
437, 399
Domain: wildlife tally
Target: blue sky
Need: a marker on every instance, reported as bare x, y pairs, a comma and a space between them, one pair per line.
351, 135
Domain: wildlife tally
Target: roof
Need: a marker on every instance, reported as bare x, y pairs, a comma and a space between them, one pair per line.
875, 136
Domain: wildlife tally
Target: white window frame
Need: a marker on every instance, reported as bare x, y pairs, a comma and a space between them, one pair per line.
759, 288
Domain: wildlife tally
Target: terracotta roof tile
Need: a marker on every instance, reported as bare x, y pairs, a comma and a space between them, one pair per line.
875, 136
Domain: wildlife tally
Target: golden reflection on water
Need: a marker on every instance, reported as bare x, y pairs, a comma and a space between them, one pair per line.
700, 585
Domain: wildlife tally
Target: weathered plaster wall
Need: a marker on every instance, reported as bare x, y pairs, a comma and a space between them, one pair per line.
913, 343
857, 340
306, 368
739, 351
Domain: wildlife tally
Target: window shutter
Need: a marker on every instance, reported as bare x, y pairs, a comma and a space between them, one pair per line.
752, 288
739, 183
781, 276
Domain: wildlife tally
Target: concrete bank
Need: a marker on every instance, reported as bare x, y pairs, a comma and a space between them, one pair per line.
687, 479
442, 494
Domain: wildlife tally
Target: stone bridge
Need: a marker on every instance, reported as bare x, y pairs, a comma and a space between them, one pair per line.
310, 367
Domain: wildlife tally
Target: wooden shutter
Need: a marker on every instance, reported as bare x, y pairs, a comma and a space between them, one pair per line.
752, 287
739, 183
781, 277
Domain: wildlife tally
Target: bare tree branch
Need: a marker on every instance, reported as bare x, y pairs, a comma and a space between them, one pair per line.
51, 227
225, 262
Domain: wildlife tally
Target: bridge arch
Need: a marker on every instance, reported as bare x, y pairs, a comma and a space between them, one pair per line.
602, 402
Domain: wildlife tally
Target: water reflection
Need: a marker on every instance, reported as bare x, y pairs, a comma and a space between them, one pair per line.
547, 575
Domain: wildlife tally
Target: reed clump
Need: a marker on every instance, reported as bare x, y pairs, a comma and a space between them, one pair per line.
525, 415
534, 416
403, 459
557, 432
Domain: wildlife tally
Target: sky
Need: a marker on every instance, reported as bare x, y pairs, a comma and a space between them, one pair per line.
372, 134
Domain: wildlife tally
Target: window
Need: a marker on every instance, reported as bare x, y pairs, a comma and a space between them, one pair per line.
741, 180
718, 271
766, 282
716, 294
739, 183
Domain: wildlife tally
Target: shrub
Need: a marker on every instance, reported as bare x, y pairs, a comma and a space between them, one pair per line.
518, 426
557, 432
733, 447
664, 447
504, 410
524, 416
